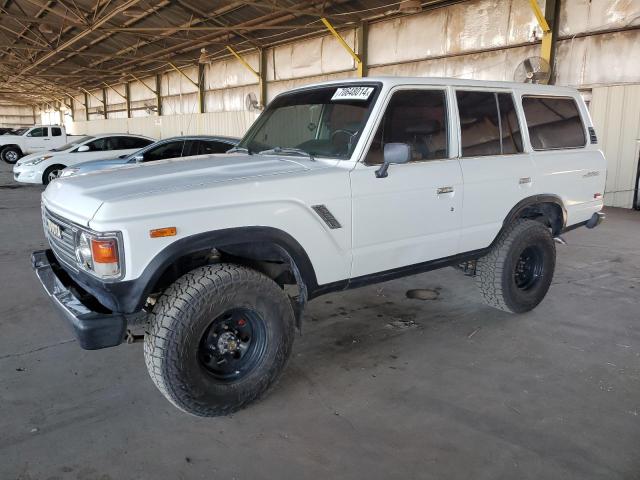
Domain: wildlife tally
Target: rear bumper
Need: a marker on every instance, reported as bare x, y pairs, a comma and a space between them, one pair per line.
94, 329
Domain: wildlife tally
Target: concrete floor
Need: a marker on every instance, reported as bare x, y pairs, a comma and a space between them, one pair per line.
380, 386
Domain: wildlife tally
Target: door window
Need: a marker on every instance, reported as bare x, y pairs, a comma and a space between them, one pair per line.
207, 147
128, 143
415, 117
176, 149
56, 131
488, 124
553, 122
99, 145
38, 132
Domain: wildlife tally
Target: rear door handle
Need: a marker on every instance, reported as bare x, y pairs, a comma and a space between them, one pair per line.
443, 190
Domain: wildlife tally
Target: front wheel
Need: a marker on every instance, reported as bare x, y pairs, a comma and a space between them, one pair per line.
51, 173
11, 155
218, 338
517, 272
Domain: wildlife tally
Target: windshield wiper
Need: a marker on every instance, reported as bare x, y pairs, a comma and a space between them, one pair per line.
240, 149
287, 150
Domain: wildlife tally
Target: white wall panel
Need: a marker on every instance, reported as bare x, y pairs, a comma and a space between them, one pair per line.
140, 92
616, 116
230, 72
276, 88
580, 16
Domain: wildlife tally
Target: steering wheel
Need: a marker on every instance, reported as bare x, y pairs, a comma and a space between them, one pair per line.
343, 131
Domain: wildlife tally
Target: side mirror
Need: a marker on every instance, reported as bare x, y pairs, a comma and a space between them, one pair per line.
394, 153
83, 148
138, 158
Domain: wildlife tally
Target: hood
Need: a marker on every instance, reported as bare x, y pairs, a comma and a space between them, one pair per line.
31, 156
6, 138
79, 197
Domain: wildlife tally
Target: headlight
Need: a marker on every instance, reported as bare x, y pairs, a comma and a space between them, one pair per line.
36, 161
67, 172
98, 254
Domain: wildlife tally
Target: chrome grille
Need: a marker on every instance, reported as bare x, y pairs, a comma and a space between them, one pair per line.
63, 247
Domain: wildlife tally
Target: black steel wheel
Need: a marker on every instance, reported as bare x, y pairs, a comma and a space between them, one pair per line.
233, 344
529, 268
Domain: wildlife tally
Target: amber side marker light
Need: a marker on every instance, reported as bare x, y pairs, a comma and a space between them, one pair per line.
104, 251
163, 232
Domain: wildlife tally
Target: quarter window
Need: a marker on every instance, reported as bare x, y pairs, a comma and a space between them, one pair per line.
417, 118
553, 122
56, 132
488, 124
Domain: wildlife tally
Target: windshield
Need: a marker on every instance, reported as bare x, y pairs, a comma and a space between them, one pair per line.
325, 121
18, 131
72, 144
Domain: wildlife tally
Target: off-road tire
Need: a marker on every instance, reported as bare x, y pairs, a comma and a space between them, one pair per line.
7, 150
495, 272
45, 176
182, 315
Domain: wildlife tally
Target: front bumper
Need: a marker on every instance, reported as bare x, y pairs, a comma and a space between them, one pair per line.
94, 328
26, 175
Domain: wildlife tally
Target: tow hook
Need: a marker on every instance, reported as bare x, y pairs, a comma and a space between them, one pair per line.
560, 240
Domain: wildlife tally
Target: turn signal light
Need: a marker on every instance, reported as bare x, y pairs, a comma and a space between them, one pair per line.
104, 251
597, 196
163, 232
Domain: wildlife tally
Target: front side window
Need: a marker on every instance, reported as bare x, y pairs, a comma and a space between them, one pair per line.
207, 147
176, 149
488, 124
38, 132
99, 145
72, 144
326, 121
128, 143
417, 118
553, 122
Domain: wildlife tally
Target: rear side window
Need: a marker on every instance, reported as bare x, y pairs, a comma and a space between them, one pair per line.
417, 118
56, 132
488, 123
553, 122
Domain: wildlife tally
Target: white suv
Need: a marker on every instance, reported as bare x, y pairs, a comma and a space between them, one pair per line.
335, 186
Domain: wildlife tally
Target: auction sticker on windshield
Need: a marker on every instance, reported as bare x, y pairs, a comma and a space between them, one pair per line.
352, 93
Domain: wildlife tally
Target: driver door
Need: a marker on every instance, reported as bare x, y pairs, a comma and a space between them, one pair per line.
414, 214
38, 140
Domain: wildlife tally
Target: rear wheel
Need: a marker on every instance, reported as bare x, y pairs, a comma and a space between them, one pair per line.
51, 173
218, 338
11, 154
516, 274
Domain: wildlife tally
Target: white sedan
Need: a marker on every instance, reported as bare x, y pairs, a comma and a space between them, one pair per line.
45, 167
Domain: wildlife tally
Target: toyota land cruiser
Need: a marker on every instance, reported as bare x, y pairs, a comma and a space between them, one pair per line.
335, 186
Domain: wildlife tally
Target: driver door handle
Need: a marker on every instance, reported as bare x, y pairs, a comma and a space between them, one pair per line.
443, 190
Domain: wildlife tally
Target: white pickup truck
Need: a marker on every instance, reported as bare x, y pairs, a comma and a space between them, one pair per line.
39, 138
335, 186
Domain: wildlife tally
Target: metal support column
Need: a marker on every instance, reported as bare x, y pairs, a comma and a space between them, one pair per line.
552, 13
86, 106
127, 95
104, 103
362, 37
201, 72
262, 70
547, 34
158, 95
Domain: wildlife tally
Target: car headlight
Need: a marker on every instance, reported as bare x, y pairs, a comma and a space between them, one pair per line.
36, 161
67, 172
98, 254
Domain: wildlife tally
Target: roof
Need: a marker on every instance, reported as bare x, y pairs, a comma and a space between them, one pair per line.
395, 81
51, 49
